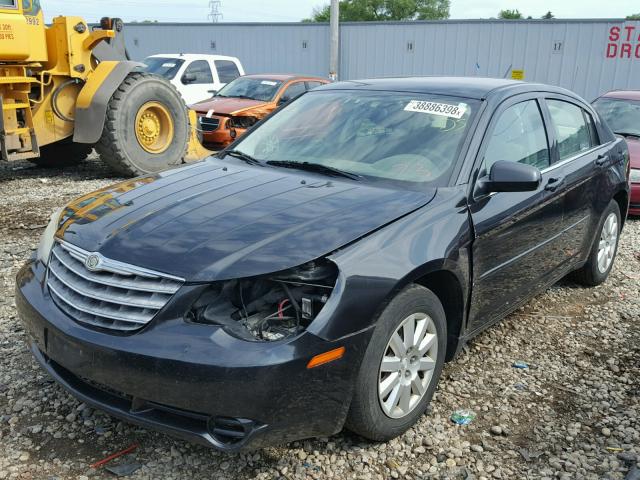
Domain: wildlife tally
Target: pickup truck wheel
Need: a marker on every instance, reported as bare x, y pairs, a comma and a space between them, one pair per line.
603, 252
64, 153
147, 127
401, 367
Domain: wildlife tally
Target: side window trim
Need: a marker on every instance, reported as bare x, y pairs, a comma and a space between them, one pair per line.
552, 139
214, 72
591, 125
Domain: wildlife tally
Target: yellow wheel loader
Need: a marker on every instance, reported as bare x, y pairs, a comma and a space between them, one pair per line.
67, 88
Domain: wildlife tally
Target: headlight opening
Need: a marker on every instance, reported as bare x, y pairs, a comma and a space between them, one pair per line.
268, 308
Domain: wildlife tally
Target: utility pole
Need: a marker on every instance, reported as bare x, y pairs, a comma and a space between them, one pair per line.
215, 10
334, 47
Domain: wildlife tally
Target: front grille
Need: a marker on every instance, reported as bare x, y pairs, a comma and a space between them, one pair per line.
209, 124
110, 294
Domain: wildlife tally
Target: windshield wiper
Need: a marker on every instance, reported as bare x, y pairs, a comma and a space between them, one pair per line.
628, 134
314, 167
242, 156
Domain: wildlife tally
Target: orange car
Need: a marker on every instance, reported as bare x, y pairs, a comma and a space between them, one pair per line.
244, 101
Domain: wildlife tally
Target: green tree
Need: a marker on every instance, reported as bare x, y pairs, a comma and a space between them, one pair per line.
510, 14
383, 10
548, 16
635, 16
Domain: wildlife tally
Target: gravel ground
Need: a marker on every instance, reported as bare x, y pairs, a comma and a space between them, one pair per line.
573, 414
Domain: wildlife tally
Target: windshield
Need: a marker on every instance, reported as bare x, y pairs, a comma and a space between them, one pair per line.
163, 66
261, 89
404, 138
623, 116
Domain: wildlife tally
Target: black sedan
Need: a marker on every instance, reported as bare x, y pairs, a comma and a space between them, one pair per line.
319, 272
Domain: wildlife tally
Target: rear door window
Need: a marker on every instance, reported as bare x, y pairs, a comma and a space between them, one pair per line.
572, 130
227, 70
519, 135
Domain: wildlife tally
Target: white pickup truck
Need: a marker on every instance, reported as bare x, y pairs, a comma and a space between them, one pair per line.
197, 77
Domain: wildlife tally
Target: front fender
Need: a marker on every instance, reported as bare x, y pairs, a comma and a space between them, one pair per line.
374, 269
93, 100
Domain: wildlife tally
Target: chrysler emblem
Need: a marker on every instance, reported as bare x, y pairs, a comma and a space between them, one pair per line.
92, 262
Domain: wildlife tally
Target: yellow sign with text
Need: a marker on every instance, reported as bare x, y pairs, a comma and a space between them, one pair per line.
517, 74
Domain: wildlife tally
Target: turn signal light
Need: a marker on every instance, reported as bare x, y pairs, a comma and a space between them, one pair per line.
326, 357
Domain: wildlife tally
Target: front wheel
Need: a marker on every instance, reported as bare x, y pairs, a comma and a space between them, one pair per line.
603, 252
146, 129
401, 367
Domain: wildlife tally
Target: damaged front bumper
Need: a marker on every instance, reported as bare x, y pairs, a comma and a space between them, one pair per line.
193, 381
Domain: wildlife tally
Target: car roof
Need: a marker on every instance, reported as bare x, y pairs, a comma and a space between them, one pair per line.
193, 56
285, 77
468, 87
623, 94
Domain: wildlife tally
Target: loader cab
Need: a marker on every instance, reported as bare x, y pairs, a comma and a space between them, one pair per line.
22, 31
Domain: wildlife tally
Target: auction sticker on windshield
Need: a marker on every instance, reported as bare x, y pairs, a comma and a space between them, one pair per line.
433, 108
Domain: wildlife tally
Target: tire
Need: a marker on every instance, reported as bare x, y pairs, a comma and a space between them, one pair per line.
119, 145
592, 274
64, 153
367, 417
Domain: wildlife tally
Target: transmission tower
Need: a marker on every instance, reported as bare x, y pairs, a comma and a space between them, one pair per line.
215, 10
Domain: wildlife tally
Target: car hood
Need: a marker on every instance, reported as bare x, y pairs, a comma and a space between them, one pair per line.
227, 106
634, 151
217, 220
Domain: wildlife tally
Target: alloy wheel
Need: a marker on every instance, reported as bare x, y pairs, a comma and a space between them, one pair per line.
407, 365
608, 242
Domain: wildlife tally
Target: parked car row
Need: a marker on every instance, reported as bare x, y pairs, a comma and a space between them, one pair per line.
320, 272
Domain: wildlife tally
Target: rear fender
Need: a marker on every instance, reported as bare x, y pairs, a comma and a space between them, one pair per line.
93, 100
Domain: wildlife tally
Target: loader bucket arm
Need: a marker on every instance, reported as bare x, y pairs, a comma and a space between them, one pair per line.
195, 150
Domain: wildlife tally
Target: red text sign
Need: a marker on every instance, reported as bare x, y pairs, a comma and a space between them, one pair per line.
624, 42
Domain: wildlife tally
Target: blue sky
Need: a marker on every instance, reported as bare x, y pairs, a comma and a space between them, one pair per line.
294, 10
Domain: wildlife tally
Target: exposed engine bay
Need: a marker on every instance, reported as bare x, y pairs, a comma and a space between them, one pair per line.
268, 308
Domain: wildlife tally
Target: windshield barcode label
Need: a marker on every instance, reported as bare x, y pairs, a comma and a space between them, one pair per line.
444, 109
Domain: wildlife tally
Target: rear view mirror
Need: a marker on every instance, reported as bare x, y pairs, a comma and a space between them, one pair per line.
188, 78
511, 177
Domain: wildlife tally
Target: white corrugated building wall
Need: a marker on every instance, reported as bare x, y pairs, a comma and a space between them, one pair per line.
587, 56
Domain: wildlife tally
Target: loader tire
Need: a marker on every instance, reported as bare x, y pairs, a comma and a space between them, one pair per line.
147, 127
64, 153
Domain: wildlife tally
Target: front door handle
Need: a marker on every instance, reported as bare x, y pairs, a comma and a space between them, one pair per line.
554, 184
602, 159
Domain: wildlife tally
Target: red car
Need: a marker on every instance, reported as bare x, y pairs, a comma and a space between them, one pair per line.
621, 110
245, 101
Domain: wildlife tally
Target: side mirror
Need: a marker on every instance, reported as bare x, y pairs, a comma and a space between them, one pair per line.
188, 78
213, 92
511, 177
283, 100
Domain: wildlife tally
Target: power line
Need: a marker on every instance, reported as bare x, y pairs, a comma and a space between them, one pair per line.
215, 11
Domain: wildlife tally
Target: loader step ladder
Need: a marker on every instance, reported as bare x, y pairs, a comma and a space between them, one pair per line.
22, 109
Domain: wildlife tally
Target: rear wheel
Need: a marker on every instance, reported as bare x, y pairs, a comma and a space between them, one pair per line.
603, 252
147, 127
64, 153
401, 367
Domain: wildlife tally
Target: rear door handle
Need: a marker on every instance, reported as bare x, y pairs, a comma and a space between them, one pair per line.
554, 184
602, 159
